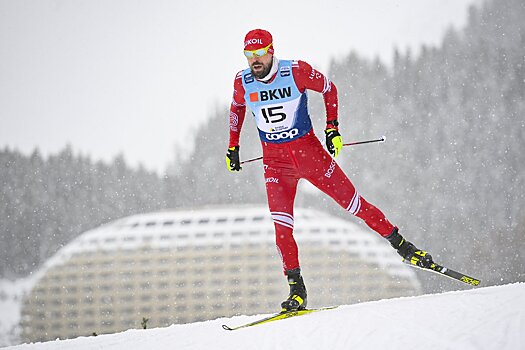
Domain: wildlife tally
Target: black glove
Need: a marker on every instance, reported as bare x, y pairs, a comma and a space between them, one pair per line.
232, 159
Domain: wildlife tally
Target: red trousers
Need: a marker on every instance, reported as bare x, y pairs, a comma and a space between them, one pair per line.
305, 158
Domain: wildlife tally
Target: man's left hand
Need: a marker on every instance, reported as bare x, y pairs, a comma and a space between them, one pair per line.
334, 141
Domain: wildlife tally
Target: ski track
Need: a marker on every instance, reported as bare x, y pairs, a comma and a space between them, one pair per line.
483, 318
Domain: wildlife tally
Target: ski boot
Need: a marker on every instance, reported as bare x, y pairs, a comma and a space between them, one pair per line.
297, 298
408, 251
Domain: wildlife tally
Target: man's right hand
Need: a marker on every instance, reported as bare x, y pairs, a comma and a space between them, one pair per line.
232, 159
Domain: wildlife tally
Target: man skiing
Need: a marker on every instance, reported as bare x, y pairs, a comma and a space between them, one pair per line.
275, 92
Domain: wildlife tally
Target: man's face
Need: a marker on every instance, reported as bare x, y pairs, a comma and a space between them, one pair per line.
260, 66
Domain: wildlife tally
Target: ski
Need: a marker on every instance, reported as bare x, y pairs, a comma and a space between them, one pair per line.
447, 272
277, 317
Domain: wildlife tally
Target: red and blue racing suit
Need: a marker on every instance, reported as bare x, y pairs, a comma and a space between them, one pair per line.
291, 151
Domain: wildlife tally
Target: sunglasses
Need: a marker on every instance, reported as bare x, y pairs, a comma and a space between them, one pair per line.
258, 52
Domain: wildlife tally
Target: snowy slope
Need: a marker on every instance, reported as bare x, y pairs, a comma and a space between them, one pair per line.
484, 318
11, 295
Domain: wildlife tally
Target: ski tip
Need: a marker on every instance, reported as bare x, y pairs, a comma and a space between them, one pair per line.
225, 327
383, 138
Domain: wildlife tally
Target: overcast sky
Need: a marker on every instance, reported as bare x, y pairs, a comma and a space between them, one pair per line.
139, 76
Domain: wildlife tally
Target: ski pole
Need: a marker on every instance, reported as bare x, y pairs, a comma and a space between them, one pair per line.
251, 160
382, 139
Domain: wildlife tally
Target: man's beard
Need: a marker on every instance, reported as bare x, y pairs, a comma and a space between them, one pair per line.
264, 72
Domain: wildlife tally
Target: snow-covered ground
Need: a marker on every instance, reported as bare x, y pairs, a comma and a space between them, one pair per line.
483, 318
11, 295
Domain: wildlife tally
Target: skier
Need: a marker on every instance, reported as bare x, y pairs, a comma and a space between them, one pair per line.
275, 92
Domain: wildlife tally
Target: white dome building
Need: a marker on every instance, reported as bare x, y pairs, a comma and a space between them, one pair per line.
186, 266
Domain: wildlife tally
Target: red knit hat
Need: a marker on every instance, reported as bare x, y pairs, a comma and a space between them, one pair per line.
258, 39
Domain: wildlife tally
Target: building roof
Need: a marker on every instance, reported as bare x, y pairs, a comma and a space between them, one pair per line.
226, 227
